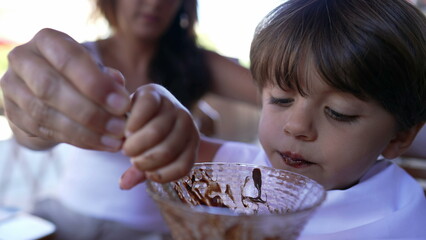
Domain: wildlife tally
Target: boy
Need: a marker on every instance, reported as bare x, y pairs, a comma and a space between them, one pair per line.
343, 83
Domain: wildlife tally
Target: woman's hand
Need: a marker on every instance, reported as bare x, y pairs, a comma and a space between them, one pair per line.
55, 92
161, 137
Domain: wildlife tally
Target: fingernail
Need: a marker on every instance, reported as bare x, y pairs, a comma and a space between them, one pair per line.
116, 126
110, 142
131, 178
122, 182
119, 76
117, 102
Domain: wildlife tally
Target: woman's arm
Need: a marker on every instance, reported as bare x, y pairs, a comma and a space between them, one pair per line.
232, 80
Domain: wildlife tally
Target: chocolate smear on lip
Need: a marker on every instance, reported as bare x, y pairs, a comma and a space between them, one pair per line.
295, 162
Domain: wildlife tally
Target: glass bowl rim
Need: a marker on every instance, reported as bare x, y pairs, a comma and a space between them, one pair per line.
186, 208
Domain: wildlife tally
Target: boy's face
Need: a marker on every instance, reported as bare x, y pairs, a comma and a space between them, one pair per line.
329, 136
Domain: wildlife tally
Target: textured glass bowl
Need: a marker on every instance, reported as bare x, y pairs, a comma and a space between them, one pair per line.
237, 201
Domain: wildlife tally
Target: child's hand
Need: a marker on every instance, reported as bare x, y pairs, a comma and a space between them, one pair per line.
162, 139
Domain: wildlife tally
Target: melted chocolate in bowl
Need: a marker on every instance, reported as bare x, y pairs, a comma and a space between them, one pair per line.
237, 201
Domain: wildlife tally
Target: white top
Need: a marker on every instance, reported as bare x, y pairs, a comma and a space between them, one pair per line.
387, 203
89, 185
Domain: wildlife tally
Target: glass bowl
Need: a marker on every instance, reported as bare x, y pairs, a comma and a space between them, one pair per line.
237, 201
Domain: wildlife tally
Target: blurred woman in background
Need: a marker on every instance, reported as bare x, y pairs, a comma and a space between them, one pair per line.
152, 41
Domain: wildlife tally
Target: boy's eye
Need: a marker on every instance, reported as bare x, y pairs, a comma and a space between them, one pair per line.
339, 116
280, 101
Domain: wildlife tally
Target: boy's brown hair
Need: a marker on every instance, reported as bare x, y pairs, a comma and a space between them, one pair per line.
374, 49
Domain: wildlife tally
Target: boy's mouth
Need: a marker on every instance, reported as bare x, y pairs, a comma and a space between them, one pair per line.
294, 160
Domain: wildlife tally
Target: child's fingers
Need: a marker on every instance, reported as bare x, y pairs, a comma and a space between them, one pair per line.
161, 135
131, 177
145, 105
178, 168
166, 151
149, 135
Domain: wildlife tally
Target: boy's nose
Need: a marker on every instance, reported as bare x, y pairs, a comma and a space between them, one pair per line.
300, 124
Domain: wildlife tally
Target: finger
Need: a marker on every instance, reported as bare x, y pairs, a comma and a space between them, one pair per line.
116, 75
131, 177
76, 65
58, 128
53, 89
145, 104
16, 95
168, 150
150, 135
38, 119
178, 168
17, 117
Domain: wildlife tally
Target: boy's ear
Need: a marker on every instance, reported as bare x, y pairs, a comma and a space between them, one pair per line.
401, 142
